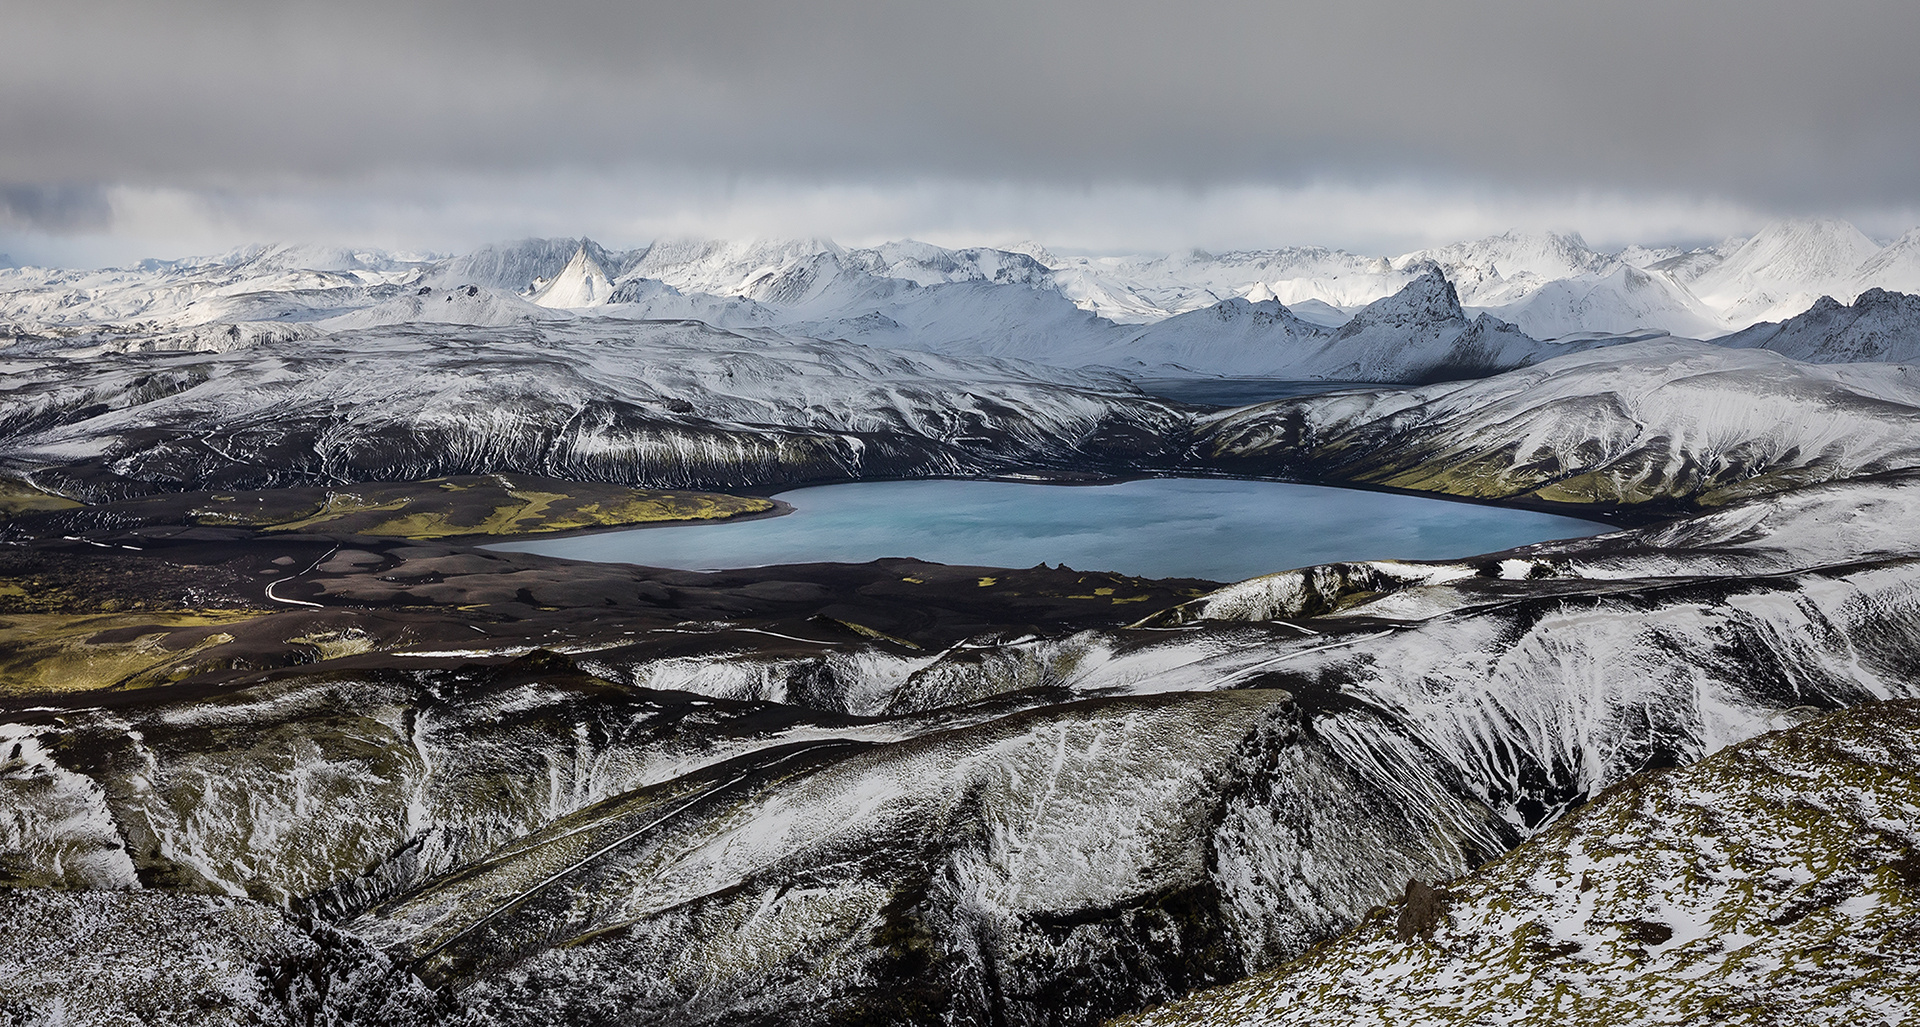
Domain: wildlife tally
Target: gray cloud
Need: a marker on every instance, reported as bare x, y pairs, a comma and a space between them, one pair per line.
55, 209
1774, 103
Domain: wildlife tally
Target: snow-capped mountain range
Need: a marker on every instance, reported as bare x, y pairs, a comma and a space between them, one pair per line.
1508, 300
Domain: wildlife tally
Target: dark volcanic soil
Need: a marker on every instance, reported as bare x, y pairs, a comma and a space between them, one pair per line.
287, 599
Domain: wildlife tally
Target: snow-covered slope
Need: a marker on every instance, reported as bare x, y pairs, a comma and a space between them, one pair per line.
518, 266
466, 305
1877, 326
925, 264
1495, 272
1232, 337
1784, 268
1680, 423
1137, 290
173, 296
1831, 525
582, 283
1049, 826
1621, 300
724, 268
1686, 266
164, 957
1104, 819
1896, 268
905, 295
1504, 269
633, 402
648, 299
1550, 284
1421, 332
1418, 333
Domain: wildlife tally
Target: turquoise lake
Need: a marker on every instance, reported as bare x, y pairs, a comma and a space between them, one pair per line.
1217, 529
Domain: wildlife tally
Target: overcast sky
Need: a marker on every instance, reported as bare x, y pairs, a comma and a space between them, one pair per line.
129, 128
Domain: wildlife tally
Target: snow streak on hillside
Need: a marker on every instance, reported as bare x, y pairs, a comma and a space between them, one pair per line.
1682, 425
666, 403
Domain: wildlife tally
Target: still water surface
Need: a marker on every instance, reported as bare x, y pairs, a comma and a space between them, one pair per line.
1163, 528
1239, 392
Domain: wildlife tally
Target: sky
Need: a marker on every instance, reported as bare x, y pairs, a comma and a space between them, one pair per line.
131, 129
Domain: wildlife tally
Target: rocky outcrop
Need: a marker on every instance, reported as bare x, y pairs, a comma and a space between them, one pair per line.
1877, 325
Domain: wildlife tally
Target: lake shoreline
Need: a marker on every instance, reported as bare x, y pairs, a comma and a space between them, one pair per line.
1616, 517
1217, 527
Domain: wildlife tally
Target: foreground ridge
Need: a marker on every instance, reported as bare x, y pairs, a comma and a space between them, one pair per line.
1775, 882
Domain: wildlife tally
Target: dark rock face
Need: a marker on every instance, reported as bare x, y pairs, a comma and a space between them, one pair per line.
1877, 326
1420, 911
165, 957
1427, 301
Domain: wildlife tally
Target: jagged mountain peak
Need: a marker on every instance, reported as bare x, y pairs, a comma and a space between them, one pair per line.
1430, 297
722, 267
1552, 285
1878, 325
927, 264
1033, 249
1878, 299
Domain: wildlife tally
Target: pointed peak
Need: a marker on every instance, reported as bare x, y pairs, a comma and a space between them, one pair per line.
1429, 297
583, 282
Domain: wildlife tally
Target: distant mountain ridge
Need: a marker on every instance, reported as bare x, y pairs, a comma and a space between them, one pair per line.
1548, 284
1309, 312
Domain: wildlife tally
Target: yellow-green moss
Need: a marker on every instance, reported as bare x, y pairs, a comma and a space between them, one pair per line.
21, 497
43, 653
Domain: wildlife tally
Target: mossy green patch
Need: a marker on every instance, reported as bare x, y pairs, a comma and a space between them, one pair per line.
19, 496
44, 653
533, 512
492, 505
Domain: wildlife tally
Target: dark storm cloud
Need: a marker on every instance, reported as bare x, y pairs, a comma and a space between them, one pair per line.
55, 208
1769, 102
